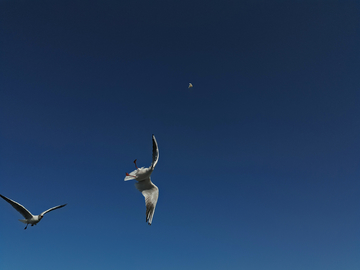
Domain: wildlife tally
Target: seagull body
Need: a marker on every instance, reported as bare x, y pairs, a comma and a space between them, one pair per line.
29, 218
190, 85
144, 184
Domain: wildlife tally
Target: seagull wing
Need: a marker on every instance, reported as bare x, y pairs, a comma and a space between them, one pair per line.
151, 194
21, 209
155, 154
51, 209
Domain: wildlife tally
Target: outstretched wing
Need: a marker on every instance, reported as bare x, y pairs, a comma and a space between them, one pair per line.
51, 209
155, 154
21, 209
151, 194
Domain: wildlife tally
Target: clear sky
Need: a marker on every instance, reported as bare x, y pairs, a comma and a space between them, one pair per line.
259, 161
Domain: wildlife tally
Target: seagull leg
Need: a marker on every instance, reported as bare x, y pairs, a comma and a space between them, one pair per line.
135, 164
26, 226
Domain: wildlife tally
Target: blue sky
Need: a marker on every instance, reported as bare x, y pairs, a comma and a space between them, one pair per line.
259, 161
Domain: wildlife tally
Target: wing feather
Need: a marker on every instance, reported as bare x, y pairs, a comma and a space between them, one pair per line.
21, 209
155, 154
51, 209
151, 194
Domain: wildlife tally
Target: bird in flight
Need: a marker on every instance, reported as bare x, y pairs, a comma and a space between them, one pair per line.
29, 218
190, 85
144, 184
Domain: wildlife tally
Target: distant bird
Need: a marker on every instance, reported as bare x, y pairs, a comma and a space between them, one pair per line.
29, 218
144, 184
190, 85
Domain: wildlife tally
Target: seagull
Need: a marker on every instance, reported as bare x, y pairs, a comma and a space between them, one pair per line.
29, 218
190, 85
144, 184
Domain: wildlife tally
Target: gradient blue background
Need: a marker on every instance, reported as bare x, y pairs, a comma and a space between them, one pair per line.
259, 161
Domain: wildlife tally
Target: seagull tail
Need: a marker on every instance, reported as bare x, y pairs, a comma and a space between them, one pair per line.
130, 176
23, 221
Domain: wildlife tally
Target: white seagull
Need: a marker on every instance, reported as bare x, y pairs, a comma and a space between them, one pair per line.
190, 85
29, 218
144, 184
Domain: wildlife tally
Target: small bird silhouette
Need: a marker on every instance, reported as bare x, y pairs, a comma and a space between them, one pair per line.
29, 218
190, 85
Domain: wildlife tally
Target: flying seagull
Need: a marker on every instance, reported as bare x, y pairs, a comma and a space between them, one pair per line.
190, 85
144, 184
29, 218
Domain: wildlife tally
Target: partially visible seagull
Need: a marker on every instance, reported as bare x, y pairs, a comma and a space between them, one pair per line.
190, 85
144, 184
29, 218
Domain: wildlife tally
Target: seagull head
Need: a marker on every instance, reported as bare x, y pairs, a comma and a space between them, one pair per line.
139, 174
